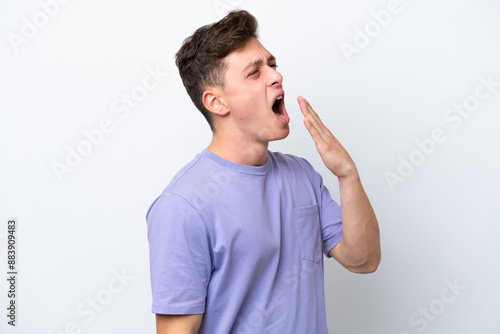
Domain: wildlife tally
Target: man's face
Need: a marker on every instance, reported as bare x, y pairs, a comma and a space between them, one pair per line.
254, 95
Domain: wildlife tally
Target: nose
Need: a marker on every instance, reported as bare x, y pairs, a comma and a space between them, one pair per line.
274, 77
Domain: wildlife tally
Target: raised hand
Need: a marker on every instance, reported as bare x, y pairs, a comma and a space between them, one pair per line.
334, 156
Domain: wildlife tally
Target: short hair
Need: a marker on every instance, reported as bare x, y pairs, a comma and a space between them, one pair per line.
200, 58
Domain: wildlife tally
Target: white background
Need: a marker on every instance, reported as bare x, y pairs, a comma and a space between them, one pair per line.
75, 234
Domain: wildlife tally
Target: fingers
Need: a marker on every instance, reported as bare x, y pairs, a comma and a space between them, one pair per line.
311, 118
306, 108
331, 151
308, 122
312, 130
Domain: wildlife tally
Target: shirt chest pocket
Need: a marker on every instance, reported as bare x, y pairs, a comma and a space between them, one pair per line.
308, 228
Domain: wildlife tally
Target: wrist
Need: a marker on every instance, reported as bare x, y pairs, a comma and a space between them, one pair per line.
351, 175
347, 172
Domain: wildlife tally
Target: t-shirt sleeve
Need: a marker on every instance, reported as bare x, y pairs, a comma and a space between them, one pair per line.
330, 219
180, 258
330, 213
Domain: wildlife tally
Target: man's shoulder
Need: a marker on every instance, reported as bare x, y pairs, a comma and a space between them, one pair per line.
183, 186
184, 173
295, 163
192, 175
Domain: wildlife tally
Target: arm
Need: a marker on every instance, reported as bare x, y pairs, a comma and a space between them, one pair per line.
178, 324
359, 247
180, 264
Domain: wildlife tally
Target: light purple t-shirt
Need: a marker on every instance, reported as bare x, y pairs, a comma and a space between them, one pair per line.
244, 245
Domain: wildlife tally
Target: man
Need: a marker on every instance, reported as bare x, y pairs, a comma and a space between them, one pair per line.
236, 238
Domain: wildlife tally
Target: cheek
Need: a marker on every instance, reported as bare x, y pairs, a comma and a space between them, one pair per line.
245, 103
248, 101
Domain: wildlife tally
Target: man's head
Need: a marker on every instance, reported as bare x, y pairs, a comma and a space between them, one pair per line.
230, 76
200, 59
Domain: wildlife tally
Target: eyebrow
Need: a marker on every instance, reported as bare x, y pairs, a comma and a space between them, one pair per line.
258, 62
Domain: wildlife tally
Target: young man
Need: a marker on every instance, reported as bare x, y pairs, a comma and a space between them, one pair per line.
237, 238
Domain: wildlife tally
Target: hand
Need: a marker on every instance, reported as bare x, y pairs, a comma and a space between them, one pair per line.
334, 156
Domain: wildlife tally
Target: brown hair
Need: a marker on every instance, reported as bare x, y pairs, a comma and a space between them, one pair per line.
200, 59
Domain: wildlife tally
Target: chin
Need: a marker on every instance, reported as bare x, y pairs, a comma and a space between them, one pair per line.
282, 134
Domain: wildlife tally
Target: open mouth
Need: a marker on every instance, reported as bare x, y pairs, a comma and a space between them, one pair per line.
276, 106
280, 110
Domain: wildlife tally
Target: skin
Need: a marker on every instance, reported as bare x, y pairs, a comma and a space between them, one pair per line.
242, 110
244, 124
359, 248
178, 324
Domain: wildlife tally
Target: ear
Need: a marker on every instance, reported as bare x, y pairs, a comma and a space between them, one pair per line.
213, 101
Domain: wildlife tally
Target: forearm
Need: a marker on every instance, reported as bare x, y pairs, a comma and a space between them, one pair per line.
360, 245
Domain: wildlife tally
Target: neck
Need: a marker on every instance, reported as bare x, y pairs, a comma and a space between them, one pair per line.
241, 151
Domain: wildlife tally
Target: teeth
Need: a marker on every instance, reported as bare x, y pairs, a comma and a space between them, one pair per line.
279, 97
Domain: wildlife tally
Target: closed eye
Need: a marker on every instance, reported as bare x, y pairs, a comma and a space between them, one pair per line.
256, 71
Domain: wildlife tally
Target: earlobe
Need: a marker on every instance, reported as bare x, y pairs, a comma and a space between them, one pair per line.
213, 103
